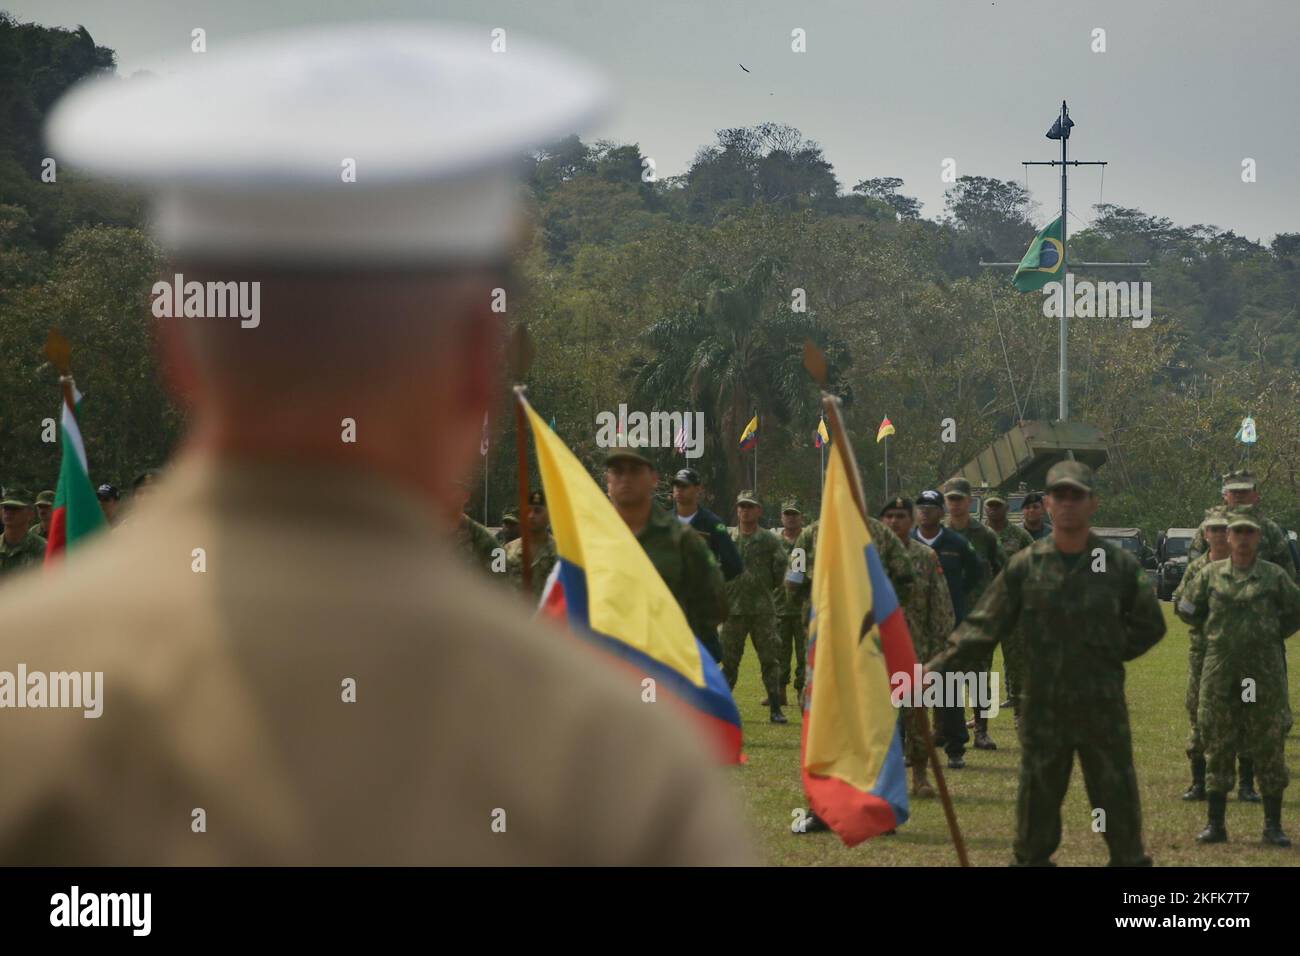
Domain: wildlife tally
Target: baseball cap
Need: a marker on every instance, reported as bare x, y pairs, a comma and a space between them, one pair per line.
931, 498
686, 476
748, 497
107, 492
1239, 481
956, 486
17, 498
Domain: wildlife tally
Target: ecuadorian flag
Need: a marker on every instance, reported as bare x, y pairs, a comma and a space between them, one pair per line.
749, 437
607, 591
822, 438
852, 747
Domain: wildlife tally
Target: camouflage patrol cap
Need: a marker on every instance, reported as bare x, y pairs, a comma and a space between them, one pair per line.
537, 498
627, 453
1239, 481
993, 496
1215, 518
1239, 520
748, 498
790, 506
17, 498
510, 518
45, 498
958, 487
1070, 474
897, 504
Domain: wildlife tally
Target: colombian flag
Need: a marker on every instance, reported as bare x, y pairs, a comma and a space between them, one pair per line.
749, 437
607, 591
821, 439
886, 429
852, 746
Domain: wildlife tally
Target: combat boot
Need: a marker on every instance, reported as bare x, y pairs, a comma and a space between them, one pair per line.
1216, 831
1273, 835
777, 716
1246, 791
982, 740
920, 785
1197, 790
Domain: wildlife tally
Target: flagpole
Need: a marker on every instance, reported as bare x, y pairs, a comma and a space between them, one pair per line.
919, 722
759, 429
886, 467
520, 353
487, 468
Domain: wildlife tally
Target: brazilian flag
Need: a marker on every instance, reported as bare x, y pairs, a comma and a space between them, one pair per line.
1042, 263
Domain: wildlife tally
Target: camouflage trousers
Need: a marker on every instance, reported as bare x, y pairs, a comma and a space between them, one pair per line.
794, 640
1013, 662
1195, 663
1098, 731
914, 750
1255, 729
762, 628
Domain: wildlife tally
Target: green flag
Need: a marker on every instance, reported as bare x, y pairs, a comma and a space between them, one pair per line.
1042, 263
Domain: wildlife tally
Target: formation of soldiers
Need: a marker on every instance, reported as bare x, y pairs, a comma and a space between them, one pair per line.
27, 524
1068, 608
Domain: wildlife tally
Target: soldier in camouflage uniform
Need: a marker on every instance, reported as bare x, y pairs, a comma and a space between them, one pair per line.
930, 619
751, 612
476, 543
1084, 608
1013, 538
1241, 496
541, 548
44, 513
956, 494
20, 547
681, 557
799, 572
789, 610
1246, 607
1215, 528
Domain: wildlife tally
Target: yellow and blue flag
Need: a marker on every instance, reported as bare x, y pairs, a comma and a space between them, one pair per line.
852, 741
822, 438
749, 437
605, 589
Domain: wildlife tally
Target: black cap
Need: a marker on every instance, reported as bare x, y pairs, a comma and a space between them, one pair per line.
904, 504
687, 476
929, 498
537, 498
1033, 498
107, 493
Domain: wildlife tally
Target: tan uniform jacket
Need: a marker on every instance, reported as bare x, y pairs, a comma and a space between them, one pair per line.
222, 691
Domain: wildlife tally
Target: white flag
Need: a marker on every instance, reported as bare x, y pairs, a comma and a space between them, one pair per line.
1246, 434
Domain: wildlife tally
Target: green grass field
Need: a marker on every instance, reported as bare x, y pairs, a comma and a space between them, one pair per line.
984, 793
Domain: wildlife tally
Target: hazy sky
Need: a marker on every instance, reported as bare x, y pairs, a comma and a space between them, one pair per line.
1184, 92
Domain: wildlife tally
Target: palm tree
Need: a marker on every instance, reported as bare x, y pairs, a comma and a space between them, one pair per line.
738, 350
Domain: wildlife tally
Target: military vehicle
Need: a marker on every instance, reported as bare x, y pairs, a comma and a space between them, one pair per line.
1171, 559
1134, 542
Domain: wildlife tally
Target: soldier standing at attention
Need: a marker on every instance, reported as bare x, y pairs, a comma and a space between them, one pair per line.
1084, 608
1031, 511
509, 528
1012, 538
962, 571
1246, 608
688, 493
680, 555
44, 513
789, 610
1241, 496
19, 547
751, 611
929, 618
542, 547
956, 494
319, 656
1215, 527
799, 571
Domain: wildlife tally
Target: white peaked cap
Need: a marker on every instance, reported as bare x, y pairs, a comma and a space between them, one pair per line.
245, 147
